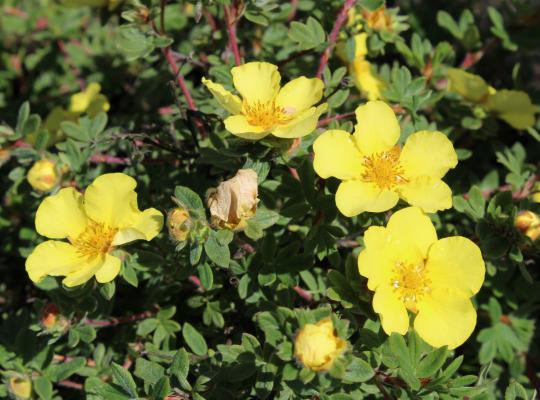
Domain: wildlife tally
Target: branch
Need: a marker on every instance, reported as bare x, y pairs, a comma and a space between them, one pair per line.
119, 320
337, 117
340, 20
231, 19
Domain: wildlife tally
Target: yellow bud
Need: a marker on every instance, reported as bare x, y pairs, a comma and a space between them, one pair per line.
43, 176
234, 201
5, 154
317, 345
536, 193
179, 224
378, 20
528, 223
20, 386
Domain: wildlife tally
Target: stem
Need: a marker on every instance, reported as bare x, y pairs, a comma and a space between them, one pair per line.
70, 384
119, 320
179, 78
104, 158
340, 20
230, 16
162, 15
294, 8
337, 117
303, 293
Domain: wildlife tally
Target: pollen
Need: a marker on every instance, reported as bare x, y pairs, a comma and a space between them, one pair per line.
383, 169
95, 240
410, 282
267, 115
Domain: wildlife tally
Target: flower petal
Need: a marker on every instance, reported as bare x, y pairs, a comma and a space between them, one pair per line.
84, 273
336, 155
52, 258
366, 80
457, 263
354, 197
61, 215
239, 126
147, 226
445, 318
300, 94
256, 81
411, 233
428, 154
226, 99
377, 128
514, 107
375, 261
301, 125
470, 86
109, 269
430, 194
394, 317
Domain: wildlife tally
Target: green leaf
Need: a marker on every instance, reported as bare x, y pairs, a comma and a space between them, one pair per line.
218, 253
133, 42
43, 387
58, 372
107, 290
188, 198
180, 364
22, 116
194, 339
123, 377
161, 389
308, 35
358, 371
430, 364
148, 371
515, 391
205, 275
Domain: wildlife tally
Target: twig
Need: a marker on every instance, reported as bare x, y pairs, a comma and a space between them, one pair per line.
294, 8
104, 158
162, 15
303, 293
337, 117
119, 320
231, 19
70, 384
340, 20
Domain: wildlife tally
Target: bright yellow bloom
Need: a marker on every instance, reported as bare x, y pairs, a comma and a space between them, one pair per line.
42, 176
366, 80
89, 101
512, 106
106, 216
376, 171
317, 345
20, 387
409, 269
265, 108
528, 223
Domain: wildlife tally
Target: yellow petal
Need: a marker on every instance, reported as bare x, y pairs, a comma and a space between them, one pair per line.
256, 81
84, 273
457, 263
375, 261
377, 128
97, 105
430, 194
360, 45
301, 125
226, 99
514, 107
366, 80
471, 87
445, 318
109, 269
354, 197
111, 199
300, 94
412, 233
427, 154
336, 155
79, 102
239, 126
52, 258
61, 215
394, 317
146, 227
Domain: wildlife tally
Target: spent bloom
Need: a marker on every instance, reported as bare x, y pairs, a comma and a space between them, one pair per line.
375, 171
94, 224
408, 268
234, 201
179, 224
42, 176
264, 107
512, 106
20, 386
317, 345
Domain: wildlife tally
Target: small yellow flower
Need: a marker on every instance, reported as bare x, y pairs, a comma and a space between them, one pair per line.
528, 223
21, 387
43, 176
536, 193
409, 269
264, 108
106, 216
376, 172
379, 19
366, 80
179, 224
234, 201
89, 101
317, 345
470, 86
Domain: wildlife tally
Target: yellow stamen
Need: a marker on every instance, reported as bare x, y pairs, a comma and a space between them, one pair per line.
95, 240
410, 282
266, 115
383, 169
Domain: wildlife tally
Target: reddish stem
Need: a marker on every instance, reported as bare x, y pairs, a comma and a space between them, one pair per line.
332, 39
70, 384
337, 117
104, 158
179, 78
119, 320
230, 16
294, 8
303, 294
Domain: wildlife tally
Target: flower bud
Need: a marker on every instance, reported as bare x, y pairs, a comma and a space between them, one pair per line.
5, 154
20, 387
529, 224
49, 316
179, 224
379, 19
317, 345
42, 176
234, 201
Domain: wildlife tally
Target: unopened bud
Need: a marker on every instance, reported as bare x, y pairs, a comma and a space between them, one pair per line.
5, 154
20, 387
43, 176
179, 224
528, 223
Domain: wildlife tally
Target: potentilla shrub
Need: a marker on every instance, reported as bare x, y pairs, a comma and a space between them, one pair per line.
325, 200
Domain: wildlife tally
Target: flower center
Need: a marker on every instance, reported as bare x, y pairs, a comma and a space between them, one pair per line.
410, 282
266, 115
383, 169
95, 240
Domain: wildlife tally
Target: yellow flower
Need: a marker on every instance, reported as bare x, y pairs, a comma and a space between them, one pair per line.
379, 19
179, 224
366, 80
536, 193
234, 201
20, 387
470, 86
409, 269
43, 176
265, 108
528, 223
106, 216
317, 345
89, 101
376, 172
